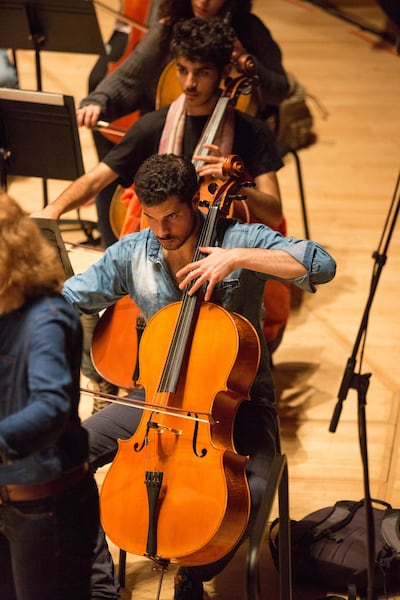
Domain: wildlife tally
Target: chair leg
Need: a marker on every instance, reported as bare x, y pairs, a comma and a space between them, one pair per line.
301, 192
122, 567
285, 555
278, 482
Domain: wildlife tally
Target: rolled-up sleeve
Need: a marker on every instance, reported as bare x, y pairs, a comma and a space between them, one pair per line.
320, 265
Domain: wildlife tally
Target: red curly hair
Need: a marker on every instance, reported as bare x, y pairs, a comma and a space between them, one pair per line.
29, 266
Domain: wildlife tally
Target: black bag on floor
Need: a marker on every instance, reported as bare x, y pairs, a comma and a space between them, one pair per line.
329, 547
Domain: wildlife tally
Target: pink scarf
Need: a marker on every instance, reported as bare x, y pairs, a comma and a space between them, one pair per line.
172, 134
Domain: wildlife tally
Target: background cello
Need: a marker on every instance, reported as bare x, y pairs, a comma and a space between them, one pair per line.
136, 16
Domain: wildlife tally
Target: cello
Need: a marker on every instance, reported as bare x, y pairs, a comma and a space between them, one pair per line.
137, 14
181, 461
116, 333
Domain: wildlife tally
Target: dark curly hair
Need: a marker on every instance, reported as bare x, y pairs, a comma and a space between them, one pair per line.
164, 175
203, 41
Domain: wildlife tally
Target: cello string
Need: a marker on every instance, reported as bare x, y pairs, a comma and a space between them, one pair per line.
189, 305
211, 129
185, 317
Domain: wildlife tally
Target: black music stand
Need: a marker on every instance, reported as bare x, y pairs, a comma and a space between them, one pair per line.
39, 138
53, 25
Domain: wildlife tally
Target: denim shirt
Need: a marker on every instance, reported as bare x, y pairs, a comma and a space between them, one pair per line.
135, 265
40, 353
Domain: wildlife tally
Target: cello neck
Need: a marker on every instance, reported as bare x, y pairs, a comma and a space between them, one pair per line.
211, 129
190, 307
188, 313
232, 89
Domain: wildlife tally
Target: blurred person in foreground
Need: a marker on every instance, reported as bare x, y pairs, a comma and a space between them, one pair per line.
49, 512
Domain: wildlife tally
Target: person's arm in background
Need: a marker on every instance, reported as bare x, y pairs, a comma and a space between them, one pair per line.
256, 39
132, 86
79, 192
121, 162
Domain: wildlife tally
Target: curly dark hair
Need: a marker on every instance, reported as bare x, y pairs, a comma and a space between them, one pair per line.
164, 175
203, 41
176, 10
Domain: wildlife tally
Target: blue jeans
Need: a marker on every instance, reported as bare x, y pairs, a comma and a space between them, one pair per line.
47, 545
255, 433
105, 428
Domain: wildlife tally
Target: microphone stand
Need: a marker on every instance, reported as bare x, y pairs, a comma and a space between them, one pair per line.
360, 382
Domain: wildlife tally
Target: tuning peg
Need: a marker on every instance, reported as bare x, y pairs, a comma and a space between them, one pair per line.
237, 197
248, 184
212, 187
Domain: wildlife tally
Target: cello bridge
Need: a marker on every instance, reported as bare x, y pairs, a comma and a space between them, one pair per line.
162, 428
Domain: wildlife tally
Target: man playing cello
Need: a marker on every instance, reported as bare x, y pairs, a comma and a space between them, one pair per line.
154, 266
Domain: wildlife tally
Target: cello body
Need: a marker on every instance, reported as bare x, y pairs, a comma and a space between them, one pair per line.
115, 342
201, 508
135, 12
